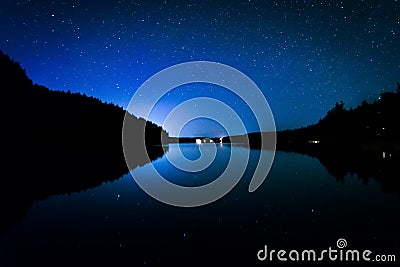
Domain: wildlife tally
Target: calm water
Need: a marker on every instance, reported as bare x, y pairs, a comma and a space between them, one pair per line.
298, 206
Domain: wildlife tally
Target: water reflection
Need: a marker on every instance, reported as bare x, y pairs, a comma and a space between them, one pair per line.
61, 173
298, 206
180, 159
364, 164
212, 187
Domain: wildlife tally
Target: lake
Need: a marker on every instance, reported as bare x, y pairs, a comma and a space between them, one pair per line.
299, 206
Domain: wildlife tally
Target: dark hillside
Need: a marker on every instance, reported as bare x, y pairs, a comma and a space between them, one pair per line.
59, 142
362, 141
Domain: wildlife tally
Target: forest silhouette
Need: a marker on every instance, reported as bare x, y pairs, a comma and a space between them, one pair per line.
58, 142
362, 140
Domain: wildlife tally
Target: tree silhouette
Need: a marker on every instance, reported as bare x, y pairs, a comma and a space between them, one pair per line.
363, 140
337, 110
65, 141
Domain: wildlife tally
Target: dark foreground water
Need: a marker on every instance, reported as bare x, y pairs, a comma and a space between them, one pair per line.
299, 206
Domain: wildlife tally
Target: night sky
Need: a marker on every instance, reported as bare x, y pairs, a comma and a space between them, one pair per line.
303, 55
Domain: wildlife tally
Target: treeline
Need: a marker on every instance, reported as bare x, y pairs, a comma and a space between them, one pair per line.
370, 124
60, 142
362, 140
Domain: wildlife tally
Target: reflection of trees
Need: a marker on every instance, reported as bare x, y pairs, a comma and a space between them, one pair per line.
59, 142
364, 164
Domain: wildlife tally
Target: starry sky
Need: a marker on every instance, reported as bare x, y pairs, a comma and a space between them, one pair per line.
303, 55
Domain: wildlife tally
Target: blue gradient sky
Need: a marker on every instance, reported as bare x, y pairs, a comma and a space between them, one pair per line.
304, 55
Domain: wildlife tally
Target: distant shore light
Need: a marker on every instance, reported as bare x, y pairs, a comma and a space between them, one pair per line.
198, 141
